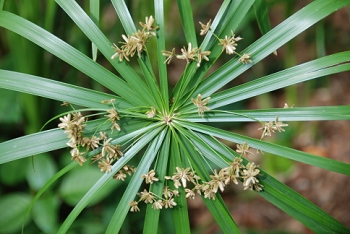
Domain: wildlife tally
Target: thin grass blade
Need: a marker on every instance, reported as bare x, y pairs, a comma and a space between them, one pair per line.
56, 90
279, 150
136, 181
152, 215
104, 179
95, 16
163, 76
284, 114
270, 42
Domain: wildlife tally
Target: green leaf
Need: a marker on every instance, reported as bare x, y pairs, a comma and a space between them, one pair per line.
124, 16
217, 207
282, 151
95, 16
99, 39
98, 186
270, 42
180, 211
12, 208
314, 69
163, 77
282, 79
47, 185
45, 213
57, 90
68, 54
78, 182
136, 181
32, 144
274, 191
152, 215
186, 15
40, 170
284, 114
2, 4
13, 173
262, 16
144, 62
230, 14
298, 207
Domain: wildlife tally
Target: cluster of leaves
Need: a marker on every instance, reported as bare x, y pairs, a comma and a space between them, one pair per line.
175, 141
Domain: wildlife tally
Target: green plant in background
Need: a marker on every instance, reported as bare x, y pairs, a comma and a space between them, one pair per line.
164, 133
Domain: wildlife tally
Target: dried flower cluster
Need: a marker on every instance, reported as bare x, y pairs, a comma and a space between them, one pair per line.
201, 104
165, 201
136, 42
109, 154
219, 180
196, 54
74, 128
271, 127
189, 54
236, 171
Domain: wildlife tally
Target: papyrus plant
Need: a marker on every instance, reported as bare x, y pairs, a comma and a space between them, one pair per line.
165, 130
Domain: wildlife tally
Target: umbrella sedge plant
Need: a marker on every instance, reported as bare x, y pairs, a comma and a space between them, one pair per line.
179, 156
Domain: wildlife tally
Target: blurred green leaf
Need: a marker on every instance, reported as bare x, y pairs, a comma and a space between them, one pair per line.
262, 15
40, 170
45, 213
12, 209
79, 181
13, 172
10, 104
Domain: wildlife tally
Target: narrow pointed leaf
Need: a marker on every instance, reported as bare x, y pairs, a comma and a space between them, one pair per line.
99, 39
271, 41
104, 179
284, 114
152, 215
68, 54
217, 207
163, 77
186, 16
32, 144
180, 211
282, 151
262, 16
136, 181
56, 90
95, 16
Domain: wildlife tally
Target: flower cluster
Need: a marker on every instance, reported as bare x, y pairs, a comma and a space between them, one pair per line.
201, 104
196, 54
236, 171
271, 127
219, 180
189, 54
110, 153
74, 128
166, 201
136, 42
